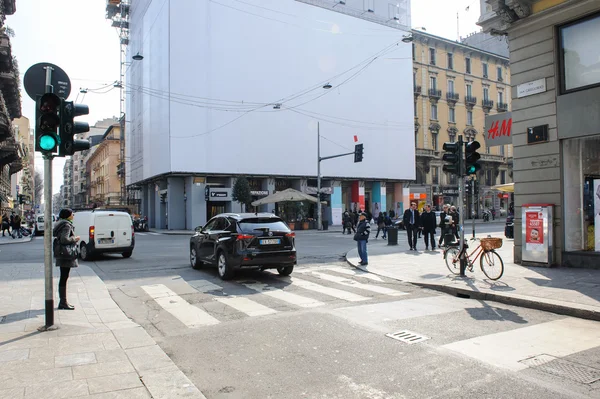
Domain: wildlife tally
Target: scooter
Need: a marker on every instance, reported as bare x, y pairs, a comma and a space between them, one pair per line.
486, 216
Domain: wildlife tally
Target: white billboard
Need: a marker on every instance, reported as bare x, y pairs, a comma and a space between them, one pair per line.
230, 87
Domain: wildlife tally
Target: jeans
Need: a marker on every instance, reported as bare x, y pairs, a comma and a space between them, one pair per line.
412, 230
362, 251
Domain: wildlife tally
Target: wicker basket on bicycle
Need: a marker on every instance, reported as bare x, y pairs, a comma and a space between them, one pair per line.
489, 244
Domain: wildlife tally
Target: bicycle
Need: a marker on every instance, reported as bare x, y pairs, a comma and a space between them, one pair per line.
490, 262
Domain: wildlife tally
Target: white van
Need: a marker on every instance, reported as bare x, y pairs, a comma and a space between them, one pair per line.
38, 225
104, 232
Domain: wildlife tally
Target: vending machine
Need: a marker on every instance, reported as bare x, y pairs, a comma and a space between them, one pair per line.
537, 233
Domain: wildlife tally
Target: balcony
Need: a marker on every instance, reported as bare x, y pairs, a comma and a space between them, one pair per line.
470, 101
425, 153
502, 107
434, 94
452, 97
417, 90
487, 104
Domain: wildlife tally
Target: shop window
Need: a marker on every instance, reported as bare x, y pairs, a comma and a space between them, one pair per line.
581, 194
580, 53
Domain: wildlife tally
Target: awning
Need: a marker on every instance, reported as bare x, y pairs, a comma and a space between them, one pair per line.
505, 188
289, 195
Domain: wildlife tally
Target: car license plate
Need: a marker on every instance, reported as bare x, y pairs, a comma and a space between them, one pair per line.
106, 241
270, 241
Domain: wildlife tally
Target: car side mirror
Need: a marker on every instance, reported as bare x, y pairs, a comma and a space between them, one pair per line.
198, 229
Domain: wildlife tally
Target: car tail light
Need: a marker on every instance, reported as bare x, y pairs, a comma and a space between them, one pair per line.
244, 237
132, 231
92, 230
292, 234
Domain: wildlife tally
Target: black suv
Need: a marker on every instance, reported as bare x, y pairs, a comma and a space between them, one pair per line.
234, 241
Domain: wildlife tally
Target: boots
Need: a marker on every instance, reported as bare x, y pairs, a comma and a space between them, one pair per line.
62, 293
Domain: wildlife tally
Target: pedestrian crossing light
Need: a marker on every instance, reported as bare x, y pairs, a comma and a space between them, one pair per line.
69, 128
472, 165
358, 152
47, 122
453, 156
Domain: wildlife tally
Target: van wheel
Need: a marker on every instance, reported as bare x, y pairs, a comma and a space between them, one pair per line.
83, 252
127, 254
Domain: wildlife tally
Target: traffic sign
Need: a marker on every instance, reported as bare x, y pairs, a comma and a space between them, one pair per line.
34, 81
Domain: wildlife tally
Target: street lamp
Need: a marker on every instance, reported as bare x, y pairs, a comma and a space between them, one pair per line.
327, 86
138, 57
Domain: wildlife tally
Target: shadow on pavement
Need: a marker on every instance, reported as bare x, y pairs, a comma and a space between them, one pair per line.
493, 313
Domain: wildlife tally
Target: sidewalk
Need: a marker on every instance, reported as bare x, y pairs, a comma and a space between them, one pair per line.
96, 351
9, 240
573, 292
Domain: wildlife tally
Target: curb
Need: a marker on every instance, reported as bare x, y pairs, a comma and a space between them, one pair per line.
28, 239
546, 305
172, 233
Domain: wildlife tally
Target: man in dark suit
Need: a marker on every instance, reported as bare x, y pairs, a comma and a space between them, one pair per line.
429, 224
412, 222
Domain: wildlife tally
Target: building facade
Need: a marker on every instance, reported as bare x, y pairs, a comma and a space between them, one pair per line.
455, 87
66, 190
10, 108
261, 117
555, 64
105, 186
22, 183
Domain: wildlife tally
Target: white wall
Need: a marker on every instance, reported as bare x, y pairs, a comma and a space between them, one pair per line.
221, 53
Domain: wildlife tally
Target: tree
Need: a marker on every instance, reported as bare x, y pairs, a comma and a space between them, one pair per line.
241, 192
38, 186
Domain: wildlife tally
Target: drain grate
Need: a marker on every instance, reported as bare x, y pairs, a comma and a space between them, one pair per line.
563, 368
408, 337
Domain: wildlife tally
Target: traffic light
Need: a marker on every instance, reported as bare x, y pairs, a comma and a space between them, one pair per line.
454, 157
47, 109
69, 128
472, 165
358, 152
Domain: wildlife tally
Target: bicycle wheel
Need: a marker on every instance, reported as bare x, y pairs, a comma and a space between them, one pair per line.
491, 265
452, 261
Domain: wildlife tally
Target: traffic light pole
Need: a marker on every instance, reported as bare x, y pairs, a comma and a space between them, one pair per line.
49, 288
461, 216
473, 210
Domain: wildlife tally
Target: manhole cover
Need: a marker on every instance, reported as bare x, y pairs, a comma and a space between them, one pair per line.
563, 368
408, 337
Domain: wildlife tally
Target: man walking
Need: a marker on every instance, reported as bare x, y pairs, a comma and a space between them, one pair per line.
362, 237
412, 222
443, 223
429, 224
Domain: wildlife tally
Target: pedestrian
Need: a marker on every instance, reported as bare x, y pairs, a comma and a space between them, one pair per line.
429, 224
363, 230
16, 227
493, 213
455, 221
443, 222
412, 222
64, 233
354, 220
347, 222
380, 224
388, 222
5, 224
392, 214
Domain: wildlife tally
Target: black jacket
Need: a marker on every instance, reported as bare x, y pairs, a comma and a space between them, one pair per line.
362, 231
428, 221
406, 218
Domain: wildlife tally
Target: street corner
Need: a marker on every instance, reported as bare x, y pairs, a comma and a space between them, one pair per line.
9, 240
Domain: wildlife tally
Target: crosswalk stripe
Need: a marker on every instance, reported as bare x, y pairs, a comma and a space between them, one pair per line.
154, 234
204, 286
285, 296
356, 284
334, 292
140, 234
247, 306
343, 270
509, 348
189, 315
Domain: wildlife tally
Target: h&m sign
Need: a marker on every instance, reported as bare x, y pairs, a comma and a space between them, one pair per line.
498, 129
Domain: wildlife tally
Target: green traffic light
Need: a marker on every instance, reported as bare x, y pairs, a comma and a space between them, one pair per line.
47, 143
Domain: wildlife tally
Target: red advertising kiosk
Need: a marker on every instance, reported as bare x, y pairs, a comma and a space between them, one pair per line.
537, 233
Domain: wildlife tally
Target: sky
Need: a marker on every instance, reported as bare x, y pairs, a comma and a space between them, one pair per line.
74, 35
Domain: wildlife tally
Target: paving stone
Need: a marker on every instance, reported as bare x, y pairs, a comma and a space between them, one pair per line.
114, 383
15, 354
26, 366
18, 378
133, 338
93, 318
106, 303
75, 360
148, 358
117, 325
135, 393
67, 389
12, 393
171, 384
102, 369
113, 355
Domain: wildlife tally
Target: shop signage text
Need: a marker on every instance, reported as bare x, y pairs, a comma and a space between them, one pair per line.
217, 194
530, 88
259, 193
498, 129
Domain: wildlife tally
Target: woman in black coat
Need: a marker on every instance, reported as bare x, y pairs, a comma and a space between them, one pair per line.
64, 231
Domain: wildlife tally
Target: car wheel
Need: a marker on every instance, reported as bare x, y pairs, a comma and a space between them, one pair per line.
127, 254
194, 259
84, 254
225, 270
285, 270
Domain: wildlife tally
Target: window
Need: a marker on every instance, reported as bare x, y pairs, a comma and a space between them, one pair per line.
450, 61
450, 86
500, 97
486, 93
503, 175
414, 51
470, 118
434, 141
434, 114
488, 150
502, 152
251, 226
435, 175
485, 69
453, 179
469, 90
488, 178
416, 114
499, 70
432, 56
451, 115
468, 65
433, 82
415, 78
